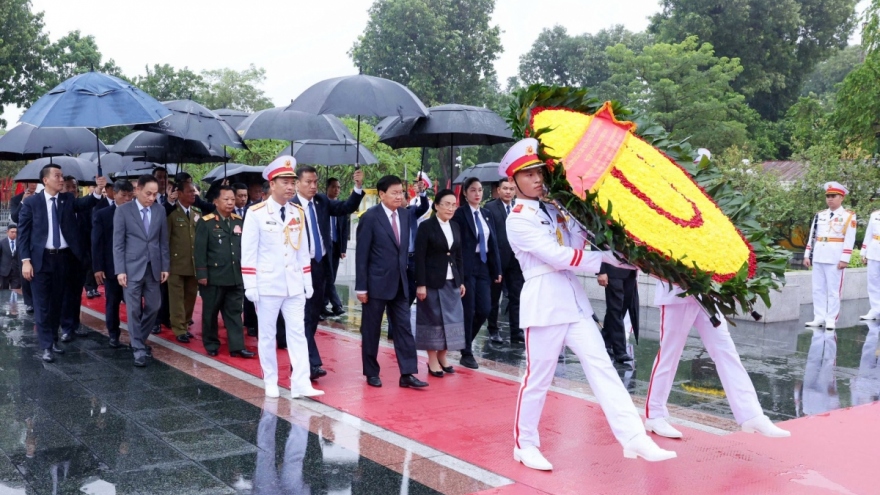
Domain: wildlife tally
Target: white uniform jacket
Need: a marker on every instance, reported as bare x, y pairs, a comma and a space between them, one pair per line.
549, 250
835, 234
871, 244
275, 253
665, 297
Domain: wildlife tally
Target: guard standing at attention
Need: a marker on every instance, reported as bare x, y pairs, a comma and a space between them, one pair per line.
871, 257
217, 253
829, 249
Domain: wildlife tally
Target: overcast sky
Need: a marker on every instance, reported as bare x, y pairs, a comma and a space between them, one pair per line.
298, 42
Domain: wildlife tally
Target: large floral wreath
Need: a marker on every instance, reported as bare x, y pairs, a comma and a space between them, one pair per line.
640, 194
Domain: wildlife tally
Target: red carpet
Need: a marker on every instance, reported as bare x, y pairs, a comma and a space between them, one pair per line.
469, 415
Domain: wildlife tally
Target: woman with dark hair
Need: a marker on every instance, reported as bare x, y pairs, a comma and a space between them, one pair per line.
439, 285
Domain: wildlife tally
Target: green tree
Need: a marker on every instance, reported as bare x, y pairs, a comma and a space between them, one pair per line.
165, 83
228, 88
442, 50
686, 88
557, 58
807, 123
830, 72
71, 55
21, 43
778, 42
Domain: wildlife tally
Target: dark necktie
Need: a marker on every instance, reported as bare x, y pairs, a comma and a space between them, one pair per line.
333, 229
481, 237
12, 246
313, 219
508, 209
56, 227
544, 209
282, 213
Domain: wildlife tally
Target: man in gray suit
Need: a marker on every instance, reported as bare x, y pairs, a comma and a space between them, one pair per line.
142, 260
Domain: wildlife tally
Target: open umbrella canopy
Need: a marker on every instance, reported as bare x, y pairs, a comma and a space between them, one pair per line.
486, 172
236, 172
365, 96
231, 116
323, 152
448, 125
191, 121
26, 142
162, 148
115, 163
148, 169
292, 125
94, 100
83, 171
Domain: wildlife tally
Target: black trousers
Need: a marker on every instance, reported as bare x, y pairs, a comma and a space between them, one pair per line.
330, 295
113, 299
620, 294
70, 307
13, 281
26, 292
48, 286
512, 279
476, 302
164, 317
314, 306
371, 333
250, 314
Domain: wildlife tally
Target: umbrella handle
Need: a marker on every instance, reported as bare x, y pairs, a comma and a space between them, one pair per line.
98, 151
357, 148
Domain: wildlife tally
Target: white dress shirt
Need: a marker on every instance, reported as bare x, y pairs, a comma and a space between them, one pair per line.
305, 205
447, 231
50, 241
485, 227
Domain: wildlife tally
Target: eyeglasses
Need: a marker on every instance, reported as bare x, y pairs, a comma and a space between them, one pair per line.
446, 205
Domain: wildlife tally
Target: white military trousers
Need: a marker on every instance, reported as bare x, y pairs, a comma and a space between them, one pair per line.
874, 286
293, 310
676, 321
543, 345
827, 288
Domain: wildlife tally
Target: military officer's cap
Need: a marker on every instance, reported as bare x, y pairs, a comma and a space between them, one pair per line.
521, 156
283, 166
836, 188
424, 177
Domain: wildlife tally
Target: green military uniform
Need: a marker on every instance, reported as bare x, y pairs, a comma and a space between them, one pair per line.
182, 285
218, 260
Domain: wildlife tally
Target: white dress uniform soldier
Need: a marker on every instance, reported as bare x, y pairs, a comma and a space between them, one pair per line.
423, 183
829, 248
871, 255
556, 312
276, 269
677, 316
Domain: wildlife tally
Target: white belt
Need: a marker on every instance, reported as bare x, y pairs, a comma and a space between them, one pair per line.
537, 271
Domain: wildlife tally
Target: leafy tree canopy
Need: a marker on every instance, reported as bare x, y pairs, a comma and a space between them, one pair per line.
21, 43
165, 83
228, 88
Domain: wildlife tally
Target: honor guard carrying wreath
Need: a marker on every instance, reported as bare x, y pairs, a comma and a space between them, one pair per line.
871, 257
276, 268
828, 251
556, 312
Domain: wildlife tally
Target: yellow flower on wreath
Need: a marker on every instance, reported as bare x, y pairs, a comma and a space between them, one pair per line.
652, 197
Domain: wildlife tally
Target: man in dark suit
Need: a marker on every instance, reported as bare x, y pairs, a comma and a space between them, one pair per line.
141, 258
241, 199
621, 295
49, 244
14, 209
77, 273
102, 257
10, 269
381, 283
482, 263
340, 231
510, 270
319, 208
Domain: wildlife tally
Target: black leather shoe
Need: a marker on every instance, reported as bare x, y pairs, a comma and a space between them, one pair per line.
214, 353
29, 310
323, 316
149, 350
244, 353
56, 349
140, 362
114, 344
82, 332
182, 338
252, 332
374, 381
66, 337
338, 312
90, 294
469, 362
47, 356
438, 374
189, 335
622, 358
496, 338
517, 337
316, 372
190, 322
409, 381
448, 369
157, 329
282, 346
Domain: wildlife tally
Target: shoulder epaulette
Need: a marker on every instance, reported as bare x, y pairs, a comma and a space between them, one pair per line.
518, 208
196, 209
234, 217
257, 206
296, 205
208, 217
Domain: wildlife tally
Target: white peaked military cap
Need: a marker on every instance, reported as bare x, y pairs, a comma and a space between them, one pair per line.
835, 188
283, 166
423, 176
522, 155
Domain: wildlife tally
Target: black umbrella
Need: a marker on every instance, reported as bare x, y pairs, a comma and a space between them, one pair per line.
231, 116
148, 169
485, 172
26, 142
162, 148
323, 152
362, 96
83, 171
194, 122
235, 170
292, 125
115, 163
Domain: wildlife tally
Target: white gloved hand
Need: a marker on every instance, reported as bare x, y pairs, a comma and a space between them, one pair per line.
608, 257
252, 295
309, 291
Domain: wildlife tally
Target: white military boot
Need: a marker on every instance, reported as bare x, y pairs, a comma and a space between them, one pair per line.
660, 426
272, 390
644, 447
762, 424
815, 323
531, 457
